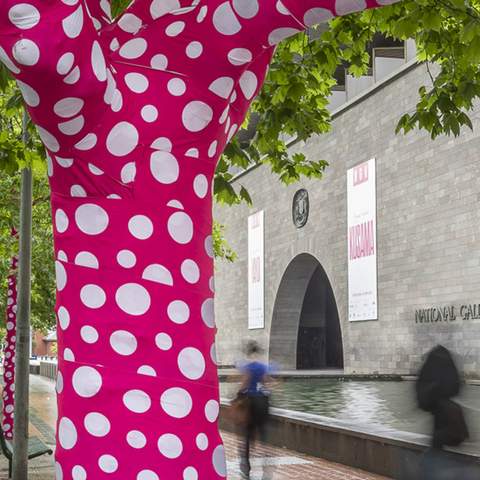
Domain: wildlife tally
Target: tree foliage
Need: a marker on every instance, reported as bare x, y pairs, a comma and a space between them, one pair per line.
291, 107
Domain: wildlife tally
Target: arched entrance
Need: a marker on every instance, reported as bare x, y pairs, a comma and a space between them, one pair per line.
305, 332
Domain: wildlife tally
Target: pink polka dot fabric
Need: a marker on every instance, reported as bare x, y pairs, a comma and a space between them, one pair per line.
135, 114
9, 358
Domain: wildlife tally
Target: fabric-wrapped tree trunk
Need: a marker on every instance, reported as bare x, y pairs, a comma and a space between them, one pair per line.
134, 114
9, 354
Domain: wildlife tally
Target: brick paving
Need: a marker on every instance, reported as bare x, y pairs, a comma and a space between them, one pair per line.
268, 463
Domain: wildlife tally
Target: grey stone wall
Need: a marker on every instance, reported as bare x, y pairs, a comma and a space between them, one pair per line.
428, 223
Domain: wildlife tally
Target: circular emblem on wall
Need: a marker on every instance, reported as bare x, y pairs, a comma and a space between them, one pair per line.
300, 208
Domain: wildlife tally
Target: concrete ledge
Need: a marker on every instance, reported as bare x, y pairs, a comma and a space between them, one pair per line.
378, 450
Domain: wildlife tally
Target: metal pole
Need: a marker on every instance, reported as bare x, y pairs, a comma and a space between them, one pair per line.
22, 349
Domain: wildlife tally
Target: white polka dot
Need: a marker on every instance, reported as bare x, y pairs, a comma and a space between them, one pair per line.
86, 259
126, 258
87, 143
48, 139
194, 49
219, 462
79, 473
123, 342
133, 299
68, 107
58, 471
164, 167
24, 16
314, 16
202, 14
147, 370
108, 463
222, 86
26, 52
175, 28
343, 7
158, 273
65, 63
140, 227
31, 97
67, 433
162, 143
212, 150
122, 139
159, 62
280, 34
178, 311
89, 334
248, 84
86, 381
134, 48
213, 353
64, 162
202, 441
246, 8
61, 275
196, 116
137, 401
190, 271
59, 383
180, 227
163, 341
208, 312
170, 445
225, 20
191, 363
77, 191
93, 296
149, 113
63, 318
176, 87
62, 256
73, 77
200, 186
176, 402
72, 127
128, 172
91, 219
212, 408
147, 475
97, 424
73, 24
130, 23
208, 244
61, 221
136, 82
190, 473
136, 439
98, 62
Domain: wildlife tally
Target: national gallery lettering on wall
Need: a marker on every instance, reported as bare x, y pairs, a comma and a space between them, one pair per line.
450, 313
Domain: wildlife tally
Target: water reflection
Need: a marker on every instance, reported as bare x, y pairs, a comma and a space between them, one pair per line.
391, 405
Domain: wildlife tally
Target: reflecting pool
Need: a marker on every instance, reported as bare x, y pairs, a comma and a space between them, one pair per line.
387, 404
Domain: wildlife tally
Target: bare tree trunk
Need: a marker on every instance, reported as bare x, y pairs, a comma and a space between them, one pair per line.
22, 351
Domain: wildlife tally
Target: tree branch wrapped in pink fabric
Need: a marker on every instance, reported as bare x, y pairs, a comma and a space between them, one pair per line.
135, 114
9, 354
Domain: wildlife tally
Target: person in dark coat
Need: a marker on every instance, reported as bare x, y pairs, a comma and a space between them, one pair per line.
438, 382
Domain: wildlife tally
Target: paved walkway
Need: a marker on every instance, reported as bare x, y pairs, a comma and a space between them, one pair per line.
278, 464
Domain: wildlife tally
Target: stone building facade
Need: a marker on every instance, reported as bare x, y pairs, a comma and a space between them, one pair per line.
428, 241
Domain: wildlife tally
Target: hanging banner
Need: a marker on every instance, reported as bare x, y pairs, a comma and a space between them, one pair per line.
362, 242
256, 287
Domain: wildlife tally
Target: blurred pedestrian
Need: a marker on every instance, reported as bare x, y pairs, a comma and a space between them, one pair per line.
438, 382
256, 399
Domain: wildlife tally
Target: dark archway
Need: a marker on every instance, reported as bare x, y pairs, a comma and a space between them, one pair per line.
305, 331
